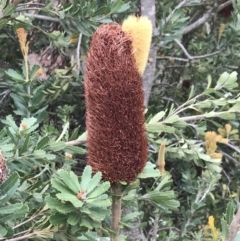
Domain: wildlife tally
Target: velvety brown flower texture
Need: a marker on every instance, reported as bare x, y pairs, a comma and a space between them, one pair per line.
117, 143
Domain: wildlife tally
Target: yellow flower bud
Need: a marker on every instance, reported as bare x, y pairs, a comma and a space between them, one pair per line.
140, 29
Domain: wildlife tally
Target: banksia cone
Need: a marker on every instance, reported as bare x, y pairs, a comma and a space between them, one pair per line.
3, 169
140, 28
117, 143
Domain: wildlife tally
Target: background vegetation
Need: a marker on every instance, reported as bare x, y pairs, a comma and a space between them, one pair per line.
194, 90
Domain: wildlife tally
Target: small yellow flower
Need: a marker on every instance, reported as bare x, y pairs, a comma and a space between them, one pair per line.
216, 155
212, 227
39, 72
140, 29
228, 128
161, 159
82, 195
23, 126
68, 155
24, 44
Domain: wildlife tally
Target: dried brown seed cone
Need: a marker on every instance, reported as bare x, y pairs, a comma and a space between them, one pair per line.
3, 169
117, 143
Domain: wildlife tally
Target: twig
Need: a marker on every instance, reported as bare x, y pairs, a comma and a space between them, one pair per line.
75, 142
173, 58
229, 179
189, 59
25, 9
78, 53
230, 157
30, 219
24, 237
155, 227
183, 49
181, 4
199, 117
233, 147
200, 21
224, 5
116, 210
42, 17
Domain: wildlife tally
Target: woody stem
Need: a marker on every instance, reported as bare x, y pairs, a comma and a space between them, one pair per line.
116, 210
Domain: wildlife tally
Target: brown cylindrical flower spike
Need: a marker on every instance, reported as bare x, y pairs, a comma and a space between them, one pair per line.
117, 142
3, 169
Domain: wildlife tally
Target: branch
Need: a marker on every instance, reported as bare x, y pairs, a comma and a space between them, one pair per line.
224, 5
78, 52
200, 21
24, 237
183, 49
199, 117
191, 57
234, 226
75, 142
181, 4
42, 17
230, 157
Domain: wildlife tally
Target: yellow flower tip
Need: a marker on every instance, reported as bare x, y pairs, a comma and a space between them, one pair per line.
228, 128
68, 155
23, 126
161, 159
222, 132
211, 221
39, 72
216, 155
140, 29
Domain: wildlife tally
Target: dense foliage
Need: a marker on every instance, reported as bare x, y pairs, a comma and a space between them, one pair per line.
189, 189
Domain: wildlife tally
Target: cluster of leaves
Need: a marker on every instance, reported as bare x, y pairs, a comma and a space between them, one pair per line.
43, 198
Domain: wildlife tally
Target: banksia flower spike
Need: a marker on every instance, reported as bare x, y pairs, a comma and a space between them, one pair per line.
3, 169
117, 143
140, 28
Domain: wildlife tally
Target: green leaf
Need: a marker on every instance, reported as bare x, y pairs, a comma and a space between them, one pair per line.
166, 181
9, 186
230, 212
42, 142
116, 6
60, 187
99, 190
99, 202
71, 198
73, 218
71, 180
7, 147
74, 134
58, 219
64, 131
11, 208
9, 10
94, 182
130, 216
149, 171
25, 145
157, 117
227, 116
59, 206
225, 228
10, 122
86, 178
39, 154
15, 75
3, 231
56, 146
75, 149
160, 128
164, 199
